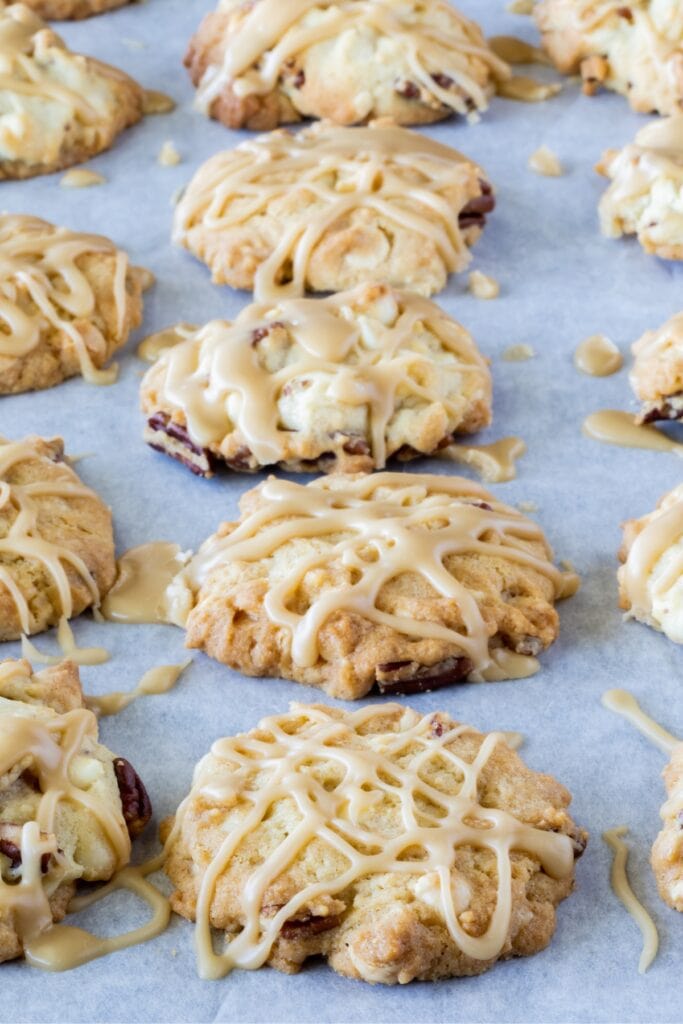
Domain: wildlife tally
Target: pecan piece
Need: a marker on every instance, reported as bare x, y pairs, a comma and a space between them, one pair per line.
172, 439
474, 212
10, 847
135, 803
407, 677
670, 409
407, 89
310, 925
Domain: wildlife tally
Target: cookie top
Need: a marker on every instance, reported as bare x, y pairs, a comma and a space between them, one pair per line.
57, 108
331, 208
68, 806
398, 846
70, 299
261, 64
338, 384
657, 373
63, 10
56, 539
406, 581
646, 179
651, 577
667, 852
635, 48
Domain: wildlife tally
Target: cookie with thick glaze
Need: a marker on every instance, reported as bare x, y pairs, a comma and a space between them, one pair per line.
657, 373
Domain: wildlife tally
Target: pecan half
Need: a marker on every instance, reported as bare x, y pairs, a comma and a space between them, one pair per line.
135, 803
407, 677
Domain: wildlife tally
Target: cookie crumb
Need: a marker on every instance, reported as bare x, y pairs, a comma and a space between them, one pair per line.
79, 177
169, 155
518, 353
482, 286
544, 161
157, 103
520, 7
527, 506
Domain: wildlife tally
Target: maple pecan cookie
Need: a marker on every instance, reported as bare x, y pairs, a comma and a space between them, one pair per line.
69, 10
57, 108
72, 300
405, 582
56, 540
397, 846
331, 208
645, 197
342, 383
657, 373
261, 63
667, 852
634, 48
651, 574
68, 806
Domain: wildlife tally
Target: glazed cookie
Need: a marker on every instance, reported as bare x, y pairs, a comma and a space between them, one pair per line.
70, 301
406, 582
68, 806
651, 576
57, 108
56, 541
331, 208
341, 383
399, 847
657, 374
65, 10
646, 194
634, 48
667, 852
264, 63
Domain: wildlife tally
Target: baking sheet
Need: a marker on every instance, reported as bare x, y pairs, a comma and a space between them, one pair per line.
560, 282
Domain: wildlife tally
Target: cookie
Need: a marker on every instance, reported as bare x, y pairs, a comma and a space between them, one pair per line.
56, 540
57, 108
644, 195
332, 208
635, 48
72, 300
406, 582
657, 373
260, 64
339, 384
651, 576
397, 846
68, 806
667, 852
70, 10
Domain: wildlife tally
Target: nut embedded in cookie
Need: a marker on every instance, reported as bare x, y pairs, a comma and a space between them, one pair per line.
645, 197
633, 48
62, 802
70, 300
57, 108
56, 540
399, 847
331, 208
337, 384
261, 63
657, 374
403, 581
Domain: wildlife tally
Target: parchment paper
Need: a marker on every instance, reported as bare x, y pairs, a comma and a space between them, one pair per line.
560, 282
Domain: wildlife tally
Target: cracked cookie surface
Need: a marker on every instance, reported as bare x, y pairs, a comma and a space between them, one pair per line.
407, 582
72, 300
339, 384
56, 540
397, 846
57, 108
68, 806
331, 208
632, 48
260, 64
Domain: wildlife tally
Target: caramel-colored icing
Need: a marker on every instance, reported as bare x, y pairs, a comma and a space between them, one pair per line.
625, 704
69, 648
496, 462
23, 539
380, 361
612, 426
513, 50
622, 888
597, 356
154, 345
382, 526
156, 681
281, 757
271, 34
143, 576
406, 178
40, 260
